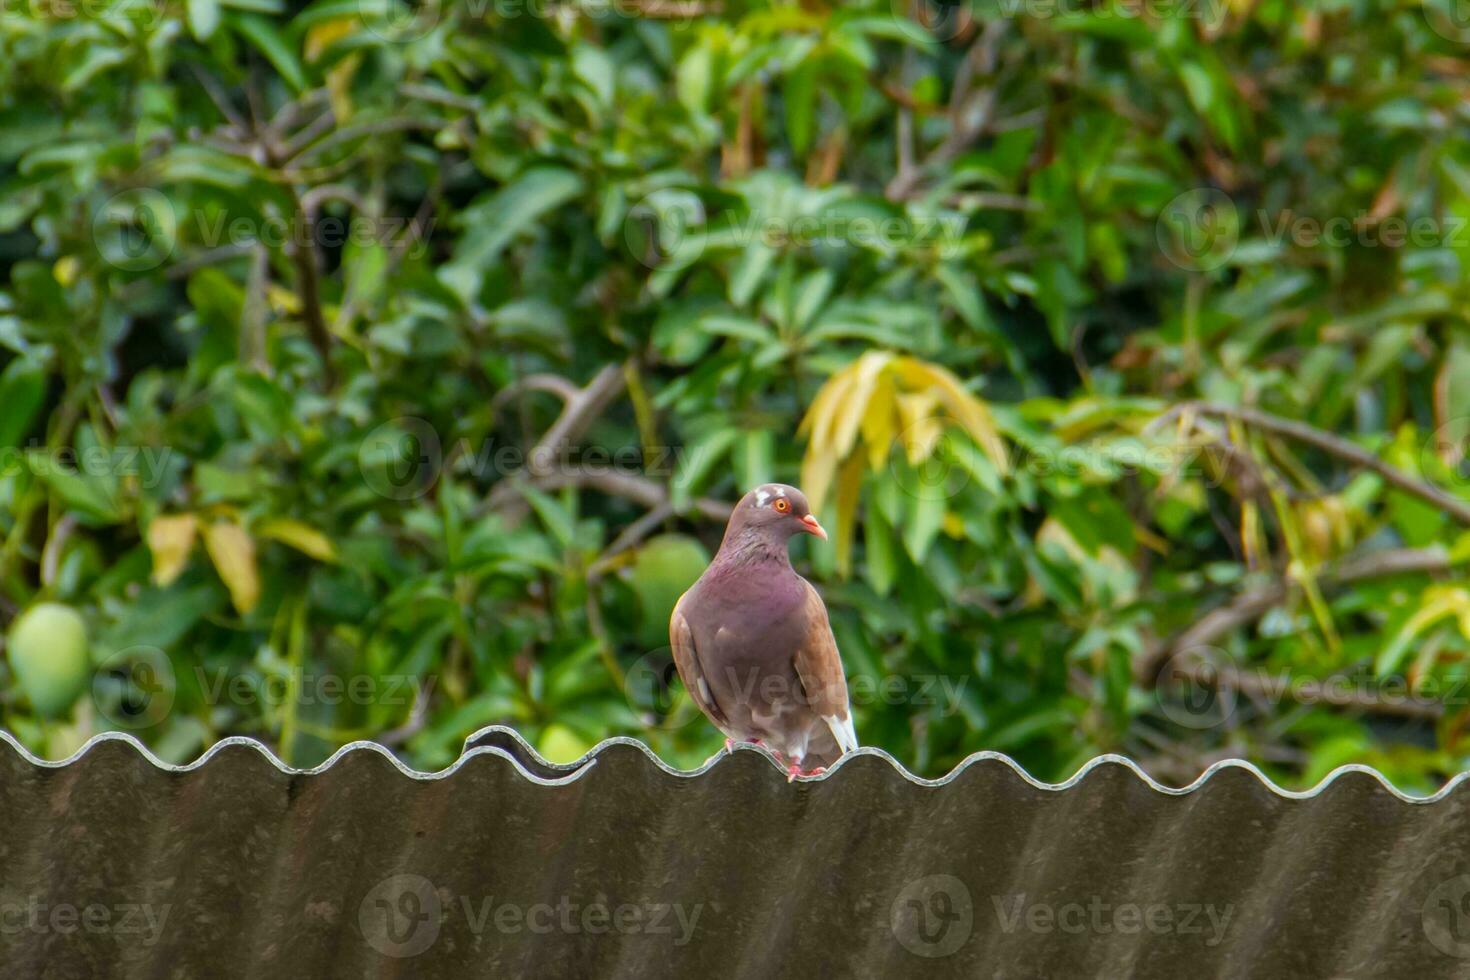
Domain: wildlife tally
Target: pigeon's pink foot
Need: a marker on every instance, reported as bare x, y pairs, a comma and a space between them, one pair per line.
793, 770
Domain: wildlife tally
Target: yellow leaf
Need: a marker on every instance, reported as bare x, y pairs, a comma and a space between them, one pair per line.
233, 554
296, 534
972, 414
325, 34
820, 418
880, 424
882, 396
339, 78
921, 429
283, 300
855, 405
849, 485
817, 469
170, 539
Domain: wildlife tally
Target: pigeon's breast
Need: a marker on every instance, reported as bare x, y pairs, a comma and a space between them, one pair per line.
753, 616
747, 633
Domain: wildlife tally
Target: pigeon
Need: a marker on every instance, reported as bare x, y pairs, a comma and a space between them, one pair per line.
753, 644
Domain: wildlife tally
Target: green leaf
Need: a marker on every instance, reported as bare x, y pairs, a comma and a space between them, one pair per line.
495, 222
800, 92
755, 262
22, 392
697, 462
204, 18
98, 58
556, 518
79, 491
881, 565
271, 43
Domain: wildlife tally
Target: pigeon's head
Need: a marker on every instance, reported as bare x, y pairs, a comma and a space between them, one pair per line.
777, 511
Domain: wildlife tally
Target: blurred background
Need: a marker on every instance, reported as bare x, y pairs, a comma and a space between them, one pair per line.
372, 371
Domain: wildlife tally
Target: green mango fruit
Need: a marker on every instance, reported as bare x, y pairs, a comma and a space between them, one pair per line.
665, 567
48, 653
560, 744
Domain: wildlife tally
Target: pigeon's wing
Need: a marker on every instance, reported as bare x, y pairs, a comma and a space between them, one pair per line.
691, 671
819, 667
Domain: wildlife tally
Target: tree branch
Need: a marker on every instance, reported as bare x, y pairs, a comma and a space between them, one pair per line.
552, 383
1251, 606
546, 469
969, 113
1328, 443
1272, 687
582, 409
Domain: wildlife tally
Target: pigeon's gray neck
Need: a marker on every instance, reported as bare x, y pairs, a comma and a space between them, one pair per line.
748, 546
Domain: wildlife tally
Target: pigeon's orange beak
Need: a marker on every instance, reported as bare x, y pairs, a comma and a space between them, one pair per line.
809, 523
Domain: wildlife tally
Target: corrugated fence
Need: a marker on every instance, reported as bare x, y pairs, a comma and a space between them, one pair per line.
113, 864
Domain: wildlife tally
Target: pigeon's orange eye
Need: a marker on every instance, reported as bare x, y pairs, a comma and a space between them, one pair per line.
782, 504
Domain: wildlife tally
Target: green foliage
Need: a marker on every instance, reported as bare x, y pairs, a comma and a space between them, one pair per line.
354, 359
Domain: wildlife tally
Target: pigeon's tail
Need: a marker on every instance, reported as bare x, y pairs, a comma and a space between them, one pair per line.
843, 732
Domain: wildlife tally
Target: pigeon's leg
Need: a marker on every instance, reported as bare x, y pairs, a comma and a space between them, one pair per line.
793, 769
